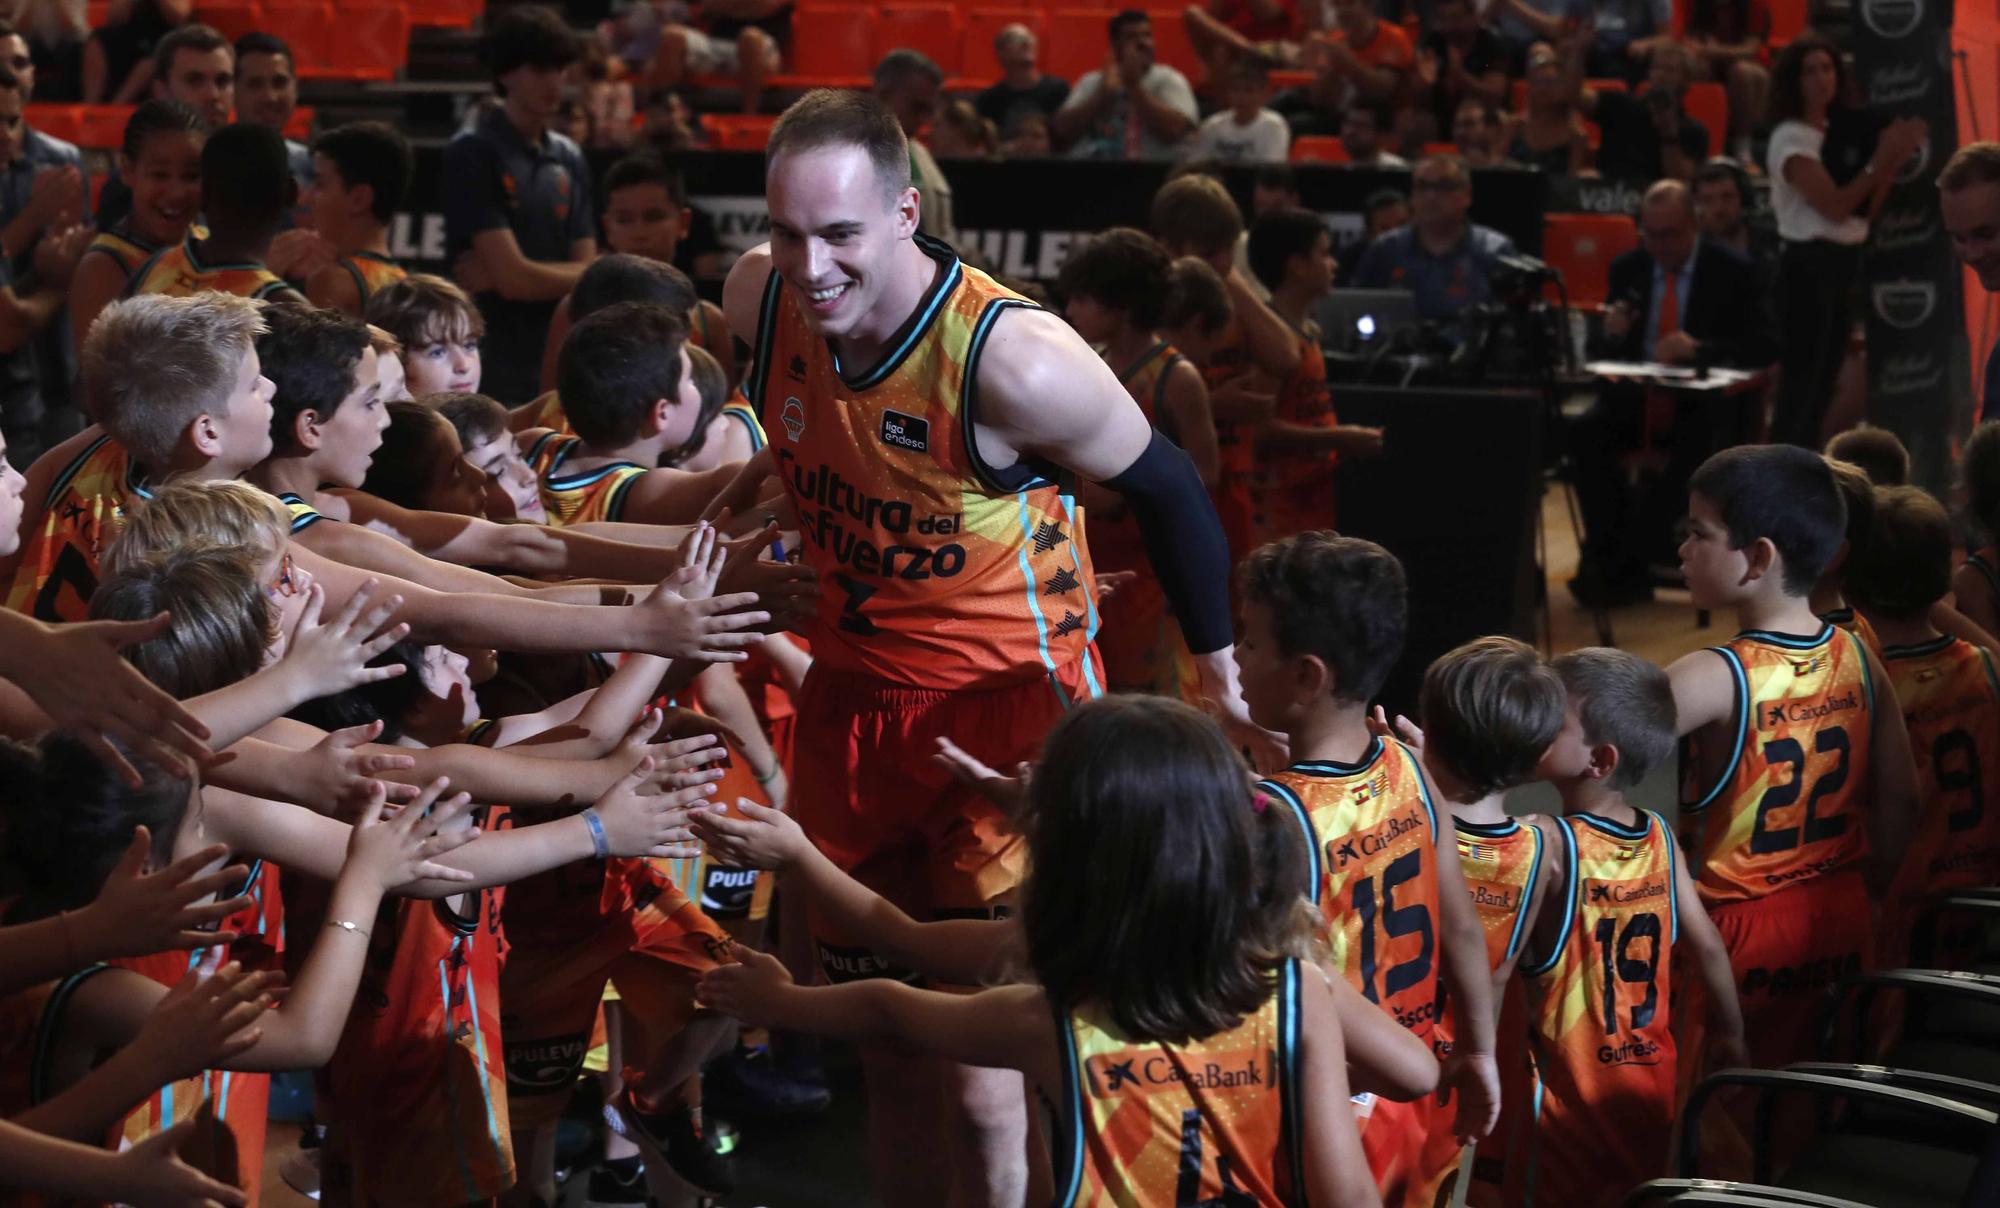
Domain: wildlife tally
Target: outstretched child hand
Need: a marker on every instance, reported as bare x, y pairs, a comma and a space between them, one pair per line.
761, 838
402, 848
786, 590
206, 1019
152, 1175
1405, 729
76, 675
332, 656
750, 990
1007, 792
337, 777
640, 821
1474, 1080
671, 759
138, 912
712, 630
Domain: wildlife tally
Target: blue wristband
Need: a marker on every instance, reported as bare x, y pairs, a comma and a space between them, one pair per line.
599, 845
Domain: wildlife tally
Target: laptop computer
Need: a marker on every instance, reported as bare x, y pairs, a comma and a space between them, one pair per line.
1362, 320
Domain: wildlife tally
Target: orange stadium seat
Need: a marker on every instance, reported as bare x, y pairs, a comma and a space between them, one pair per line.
444, 14
308, 29
58, 121
1582, 246
1708, 103
981, 26
738, 132
1077, 42
930, 28
1788, 21
830, 48
232, 18
1319, 149
104, 125
1172, 45
371, 41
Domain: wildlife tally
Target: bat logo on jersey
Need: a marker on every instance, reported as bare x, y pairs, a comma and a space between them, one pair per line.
794, 418
1347, 852
1117, 1074
906, 432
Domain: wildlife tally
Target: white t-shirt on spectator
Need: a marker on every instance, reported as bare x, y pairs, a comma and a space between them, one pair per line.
1106, 137
1797, 220
1264, 141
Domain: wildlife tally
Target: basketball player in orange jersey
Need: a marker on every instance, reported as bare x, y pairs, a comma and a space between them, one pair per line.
1490, 710
1194, 215
1799, 793
1600, 951
1291, 487
924, 420
1950, 696
1829, 595
1323, 622
1116, 290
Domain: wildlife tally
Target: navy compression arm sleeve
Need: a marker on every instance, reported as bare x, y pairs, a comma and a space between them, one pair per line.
1184, 541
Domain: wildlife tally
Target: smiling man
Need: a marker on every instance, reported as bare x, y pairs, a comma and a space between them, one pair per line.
1969, 195
930, 425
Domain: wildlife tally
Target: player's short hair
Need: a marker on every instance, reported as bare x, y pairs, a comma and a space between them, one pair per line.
384, 344
222, 619
421, 310
1490, 710
1905, 565
311, 355
1277, 237
646, 168
1980, 466
258, 42
1876, 451
623, 277
1124, 270
1339, 599
902, 67
1170, 958
1858, 495
1195, 213
1124, 19
528, 35
1972, 164
246, 178
1781, 493
189, 512
1196, 294
196, 37
711, 387
615, 365
158, 117
838, 117
71, 816
1622, 701
475, 417
153, 364
373, 154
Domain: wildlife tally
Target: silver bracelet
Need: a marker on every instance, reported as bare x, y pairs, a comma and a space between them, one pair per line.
599, 845
344, 925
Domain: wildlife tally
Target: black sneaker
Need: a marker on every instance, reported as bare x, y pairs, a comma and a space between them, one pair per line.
616, 1183
748, 1085
671, 1140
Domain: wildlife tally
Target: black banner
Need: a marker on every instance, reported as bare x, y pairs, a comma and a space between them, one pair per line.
1918, 373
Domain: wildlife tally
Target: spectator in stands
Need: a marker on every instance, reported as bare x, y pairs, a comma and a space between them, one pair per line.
1730, 41
1824, 223
1676, 299
1478, 132
1969, 195
195, 66
1133, 107
55, 31
1461, 58
1650, 136
1029, 138
1022, 88
119, 59
608, 103
1623, 33
48, 262
739, 38
1543, 21
267, 92
1722, 205
960, 133
1441, 257
1225, 30
517, 209
43, 184
1362, 130
1550, 135
1244, 132
1371, 59
1315, 107
909, 83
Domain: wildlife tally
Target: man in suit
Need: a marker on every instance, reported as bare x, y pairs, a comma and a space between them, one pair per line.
1675, 300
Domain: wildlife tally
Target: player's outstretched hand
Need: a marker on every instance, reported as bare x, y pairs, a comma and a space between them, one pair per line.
1473, 1079
749, 990
397, 850
338, 778
640, 820
76, 675
138, 913
761, 838
152, 1175
332, 656
206, 1019
1007, 792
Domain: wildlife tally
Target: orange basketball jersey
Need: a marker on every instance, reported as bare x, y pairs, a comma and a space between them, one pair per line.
85, 509
582, 496
1856, 624
1784, 794
1598, 1016
1293, 492
372, 273
937, 569
1215, 1121
180, 272
127, 249
1229, 361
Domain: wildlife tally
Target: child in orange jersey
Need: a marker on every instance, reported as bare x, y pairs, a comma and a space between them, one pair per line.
1976, 584
1829, 597
1291, 488
1600, 953
1117, 288
1951, 702
1490, 710
360, 173
1799, 794
247, 195
1323, 622
1191, 1055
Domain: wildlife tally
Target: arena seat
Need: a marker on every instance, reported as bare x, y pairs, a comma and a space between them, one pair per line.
231, 18
58, 121
1788, 20
738, 132
104, 125
930, 28
1581, 247
1708, 103
308, 29
1319, 149
1172, 45
371, 41
830, 48
1077, 41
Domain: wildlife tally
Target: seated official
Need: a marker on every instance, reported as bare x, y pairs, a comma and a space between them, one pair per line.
1444, 259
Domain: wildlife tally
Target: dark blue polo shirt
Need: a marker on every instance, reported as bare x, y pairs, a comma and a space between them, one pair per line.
1445, 287
496, 178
